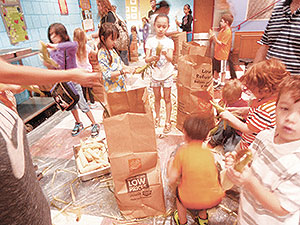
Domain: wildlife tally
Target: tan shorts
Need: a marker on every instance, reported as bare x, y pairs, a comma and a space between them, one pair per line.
167, 83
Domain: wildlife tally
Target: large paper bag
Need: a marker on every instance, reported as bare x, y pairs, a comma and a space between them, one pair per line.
193, 48
134, 101
194, 87
133, 157
179, 38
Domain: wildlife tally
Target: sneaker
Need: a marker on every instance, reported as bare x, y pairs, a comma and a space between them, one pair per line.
200, 221
95, 130
176, 218
76, 130
93, 105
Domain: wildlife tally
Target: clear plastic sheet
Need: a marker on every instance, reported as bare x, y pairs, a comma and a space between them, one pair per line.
95, 197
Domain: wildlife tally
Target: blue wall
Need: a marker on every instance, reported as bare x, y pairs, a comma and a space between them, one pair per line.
39, 14
239, 10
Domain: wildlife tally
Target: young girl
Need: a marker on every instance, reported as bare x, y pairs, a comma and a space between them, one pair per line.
82, 60
163, 68
112, 67
145, 30
134, 41
186, 24
63, 51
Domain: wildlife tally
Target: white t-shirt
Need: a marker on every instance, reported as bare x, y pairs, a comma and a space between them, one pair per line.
86, 63
276, 166
163, 69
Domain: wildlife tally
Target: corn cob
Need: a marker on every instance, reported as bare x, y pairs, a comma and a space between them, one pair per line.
45, 56
158, 51
246, 159
141, 70
217, 107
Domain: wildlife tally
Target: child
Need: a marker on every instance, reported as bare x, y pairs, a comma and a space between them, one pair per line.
222, 49
64, 53
231, 97
262, 79
112, 68
270, 186
163, 68
145, 30
186, 24
199, 188
134, 41
83, 62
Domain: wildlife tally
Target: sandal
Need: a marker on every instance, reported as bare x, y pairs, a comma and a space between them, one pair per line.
176, 218
201, 221
167, 129
157, 122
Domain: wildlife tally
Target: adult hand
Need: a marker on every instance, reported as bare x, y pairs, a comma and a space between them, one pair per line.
84, 77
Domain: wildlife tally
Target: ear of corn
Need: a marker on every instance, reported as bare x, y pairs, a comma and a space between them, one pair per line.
158, 49
45, 56
217, 107
240, 165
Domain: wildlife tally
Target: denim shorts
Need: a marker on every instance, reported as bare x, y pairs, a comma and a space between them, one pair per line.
167, 83
82, 104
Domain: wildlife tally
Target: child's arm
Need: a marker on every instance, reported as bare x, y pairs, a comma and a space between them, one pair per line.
235, 122
250, 183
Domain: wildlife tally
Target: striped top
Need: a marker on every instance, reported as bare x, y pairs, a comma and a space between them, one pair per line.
261, 116
276, 166
282, 35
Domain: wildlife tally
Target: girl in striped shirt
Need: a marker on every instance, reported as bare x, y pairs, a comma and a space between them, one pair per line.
262, 79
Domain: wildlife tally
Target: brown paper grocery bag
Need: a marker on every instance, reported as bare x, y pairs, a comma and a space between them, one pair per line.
128, 101
179, 38
194, 88
193, 48
133, 156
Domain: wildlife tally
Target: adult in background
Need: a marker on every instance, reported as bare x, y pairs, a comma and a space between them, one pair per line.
106, 12
153, 8
186, 24
281, 36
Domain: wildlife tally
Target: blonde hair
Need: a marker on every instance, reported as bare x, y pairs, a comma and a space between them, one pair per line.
265, 75
232, 91
81, 38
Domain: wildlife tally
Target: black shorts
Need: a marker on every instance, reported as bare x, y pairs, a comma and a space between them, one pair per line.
216, 65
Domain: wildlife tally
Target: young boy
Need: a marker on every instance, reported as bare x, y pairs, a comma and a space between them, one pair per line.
270, 186
262, 79
231, 97
222, 49
199, 188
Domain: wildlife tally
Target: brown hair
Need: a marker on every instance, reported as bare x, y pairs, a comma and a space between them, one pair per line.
291, 85
81, 38
197, 128
133, 28
265, 75
232, 90
161, 16
105, 7
59, 29
106, 30
228, 18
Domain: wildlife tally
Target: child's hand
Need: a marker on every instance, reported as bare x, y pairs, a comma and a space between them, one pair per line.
211, 33
230, 159
164, 53
226, 115
155, 58
128, 69
239, 179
